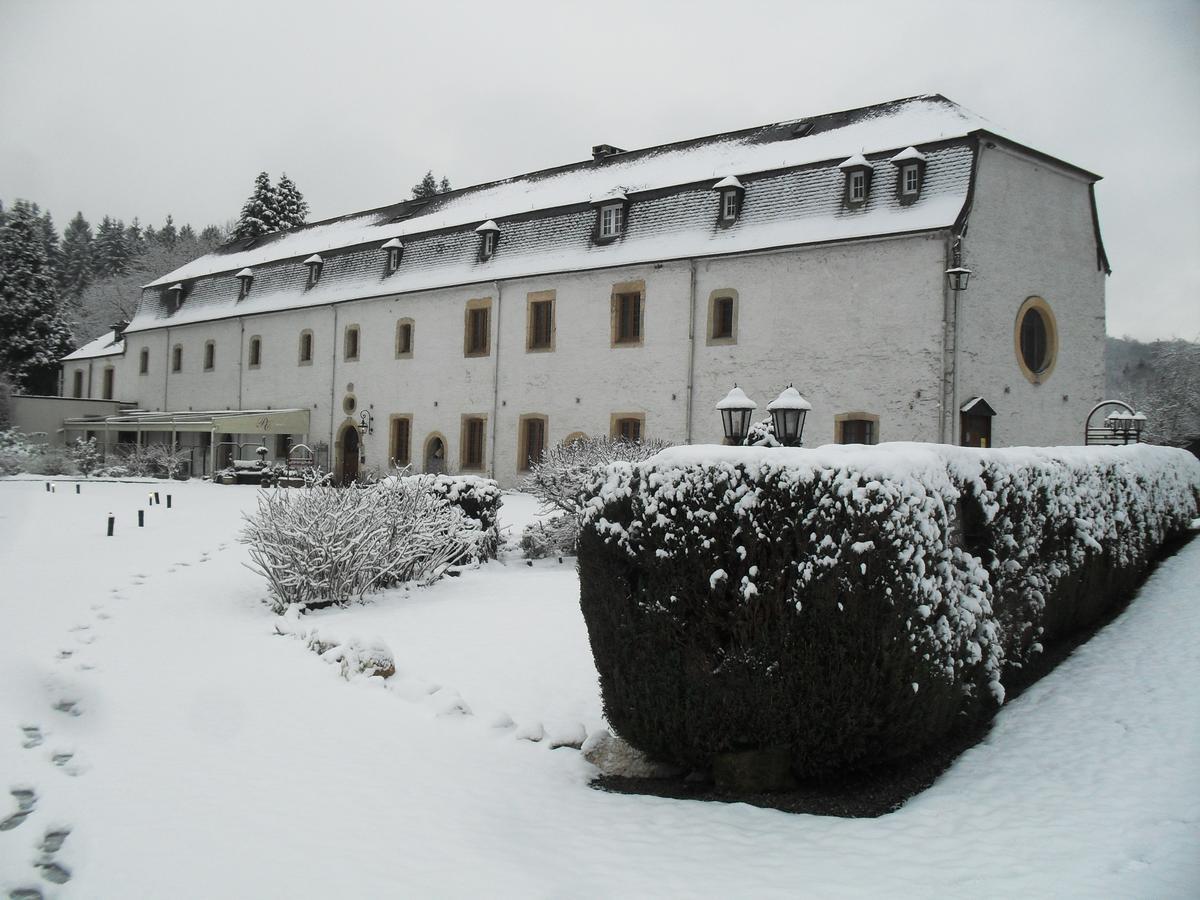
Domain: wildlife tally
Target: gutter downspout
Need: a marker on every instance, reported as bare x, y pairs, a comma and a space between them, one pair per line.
949, 346
495, 390
691, 373
333, 388
166, 367
241, 354
91, 362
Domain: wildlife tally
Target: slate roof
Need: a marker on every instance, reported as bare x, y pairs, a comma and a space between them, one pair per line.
105, 345
793, 196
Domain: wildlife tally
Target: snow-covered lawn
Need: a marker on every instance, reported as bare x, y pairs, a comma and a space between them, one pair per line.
195, 753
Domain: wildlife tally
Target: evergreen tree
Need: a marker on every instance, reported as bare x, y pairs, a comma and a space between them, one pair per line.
290, 207
34, 334
76, 257
168, 235
259, 211
444, 185
426, 187
212, 237
134, 239
149, 238
187, 235
111, 251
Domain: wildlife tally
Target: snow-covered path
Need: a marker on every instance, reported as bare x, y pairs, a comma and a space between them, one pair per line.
209, 757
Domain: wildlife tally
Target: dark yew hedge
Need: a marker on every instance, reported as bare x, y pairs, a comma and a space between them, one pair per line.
845, 607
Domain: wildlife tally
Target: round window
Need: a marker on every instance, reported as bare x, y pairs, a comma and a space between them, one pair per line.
349, 404
1036, 339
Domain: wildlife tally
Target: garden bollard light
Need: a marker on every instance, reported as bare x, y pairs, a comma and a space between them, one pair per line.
47, 487
111, 521
141, 518
157, 499
168, 501
77, 488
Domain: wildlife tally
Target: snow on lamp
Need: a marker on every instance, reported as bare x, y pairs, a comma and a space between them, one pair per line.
736, 409
788, 411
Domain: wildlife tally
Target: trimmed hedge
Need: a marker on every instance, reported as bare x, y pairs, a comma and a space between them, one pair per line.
851, 606
479, 499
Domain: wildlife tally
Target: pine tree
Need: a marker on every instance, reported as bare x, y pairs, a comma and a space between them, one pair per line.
134, 239
259, 212
111, 251
187, 235
76, 257
290, 208
211, 237
426, 187
168, 235
35, 335
444, 185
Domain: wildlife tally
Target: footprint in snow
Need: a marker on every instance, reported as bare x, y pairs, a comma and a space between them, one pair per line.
65, 654
103, 615
53, 872
85, 638
61, 758
33, 736
26, 801
183, 563
83, 627
70, 707
25, 893
85, 667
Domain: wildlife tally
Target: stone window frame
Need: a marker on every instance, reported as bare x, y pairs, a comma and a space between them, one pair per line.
210, 356
77, 385
396, 460
144, 361
531, 299
464, 463
711, 338
254, 352
177, 358
619, 290
840, 419
1050, 322
108, 383
354, 329
429, 439
412, 336
477, 303
301, 358
523, 420
615, 420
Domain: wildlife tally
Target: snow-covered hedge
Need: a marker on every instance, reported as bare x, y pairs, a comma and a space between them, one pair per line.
851, 605
327, 545
479, 499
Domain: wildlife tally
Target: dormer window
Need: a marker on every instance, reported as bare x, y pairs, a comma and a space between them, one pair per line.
610, 217
489, 233
910, 173
394, 250
315, 265
174, 298
731, 192
858, 181
245, 280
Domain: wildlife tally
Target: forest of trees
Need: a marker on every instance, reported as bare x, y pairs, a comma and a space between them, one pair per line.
1161, 379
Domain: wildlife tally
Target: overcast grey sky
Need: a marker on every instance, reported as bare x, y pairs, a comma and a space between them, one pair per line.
148, 107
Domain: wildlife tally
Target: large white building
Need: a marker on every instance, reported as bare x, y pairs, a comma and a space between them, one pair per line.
627, 293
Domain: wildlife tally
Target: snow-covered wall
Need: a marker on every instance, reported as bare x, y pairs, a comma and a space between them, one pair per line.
1031, 234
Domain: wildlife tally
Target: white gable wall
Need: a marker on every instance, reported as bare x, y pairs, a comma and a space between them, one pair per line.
1031, 234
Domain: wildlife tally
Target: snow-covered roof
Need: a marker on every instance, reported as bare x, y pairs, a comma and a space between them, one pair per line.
908, 153
857, 161
736, 399
790, 175
315, 259
614, 197
393, 244
105, 345
729, 181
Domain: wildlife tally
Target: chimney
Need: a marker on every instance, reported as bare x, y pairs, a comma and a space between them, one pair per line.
602, 151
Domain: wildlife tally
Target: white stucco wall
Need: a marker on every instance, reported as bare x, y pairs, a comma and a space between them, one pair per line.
1031, 234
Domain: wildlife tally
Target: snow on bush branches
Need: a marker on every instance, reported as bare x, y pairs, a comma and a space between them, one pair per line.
324, 545
853, 604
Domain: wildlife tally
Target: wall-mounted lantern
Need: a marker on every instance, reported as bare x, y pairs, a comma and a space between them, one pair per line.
958, 275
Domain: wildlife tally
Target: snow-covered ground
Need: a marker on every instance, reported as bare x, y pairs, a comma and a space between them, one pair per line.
192, 752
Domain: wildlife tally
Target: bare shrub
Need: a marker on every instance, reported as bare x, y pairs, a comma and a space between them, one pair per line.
325, 546
560, 478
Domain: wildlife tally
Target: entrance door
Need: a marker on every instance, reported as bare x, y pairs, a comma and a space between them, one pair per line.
435, 456
349, 455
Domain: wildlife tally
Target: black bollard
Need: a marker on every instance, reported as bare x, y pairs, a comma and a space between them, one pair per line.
168, 501
47, 487
141, 518
77, 487
111, 522
157, 499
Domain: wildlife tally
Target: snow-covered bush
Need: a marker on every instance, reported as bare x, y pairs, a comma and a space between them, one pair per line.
849, 606
86, 455
478, 498
167, 461
17, 452
555, 536
326, 545
561, 477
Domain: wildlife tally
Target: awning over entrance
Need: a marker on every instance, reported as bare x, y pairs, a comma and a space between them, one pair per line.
227, 421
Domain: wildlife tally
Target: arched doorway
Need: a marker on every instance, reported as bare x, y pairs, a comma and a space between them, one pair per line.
435, 454
349, 448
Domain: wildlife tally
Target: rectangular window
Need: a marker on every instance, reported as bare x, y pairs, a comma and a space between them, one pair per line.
350, 351
144, 362
858, 187
177, 359
404, 338
473, 429
611, 220
401, 440
255, 352
912, 179
210, 356
476, 340
306, 347
856, 428
722, 318
78, 386
628, 426
541, 321
108, 383
533, 441
627, 315
729, 206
